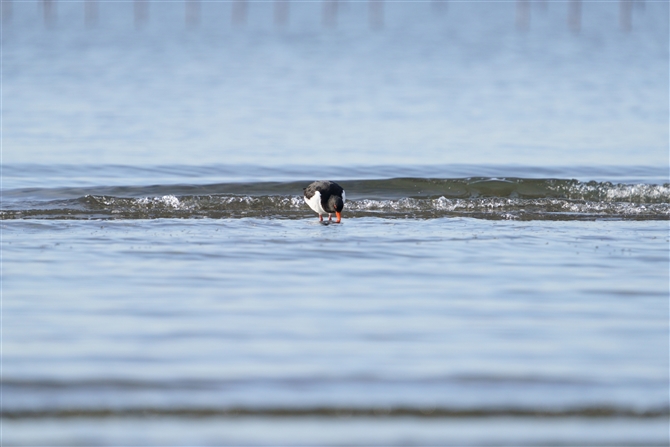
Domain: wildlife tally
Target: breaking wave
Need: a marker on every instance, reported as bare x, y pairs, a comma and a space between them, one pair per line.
485, 198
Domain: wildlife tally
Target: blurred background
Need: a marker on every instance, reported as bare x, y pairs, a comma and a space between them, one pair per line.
165, 284
369, 82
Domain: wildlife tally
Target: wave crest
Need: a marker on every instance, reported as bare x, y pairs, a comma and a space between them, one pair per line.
292, 207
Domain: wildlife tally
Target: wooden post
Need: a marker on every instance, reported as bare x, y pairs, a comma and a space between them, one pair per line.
192, 13
376, 13
439, 6
6, 11
239, 15
91, 12
49, 11
281, 12
626, 15
523, 14
575, 15
330, 13
141, 12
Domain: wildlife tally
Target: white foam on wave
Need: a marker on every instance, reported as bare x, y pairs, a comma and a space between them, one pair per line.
608, 192
169, 201
643, 193
507, 205
483, 207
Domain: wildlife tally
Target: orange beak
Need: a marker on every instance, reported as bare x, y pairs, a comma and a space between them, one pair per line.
339, 216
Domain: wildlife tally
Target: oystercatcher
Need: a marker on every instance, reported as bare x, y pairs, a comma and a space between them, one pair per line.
325, 197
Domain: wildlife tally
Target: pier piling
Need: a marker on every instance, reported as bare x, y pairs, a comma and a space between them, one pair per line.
192, 13
626, 15
141, 8
49, 10
6, 11
239, 14
376, 13
439, 6
522, 14
330, 13
281, 12
91, 12
575, 15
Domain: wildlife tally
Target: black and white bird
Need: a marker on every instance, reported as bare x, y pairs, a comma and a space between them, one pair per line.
325, 197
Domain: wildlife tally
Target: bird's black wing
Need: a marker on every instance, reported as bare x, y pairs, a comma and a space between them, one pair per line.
324, 187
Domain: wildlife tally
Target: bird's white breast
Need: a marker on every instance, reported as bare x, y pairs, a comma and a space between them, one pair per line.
315, 203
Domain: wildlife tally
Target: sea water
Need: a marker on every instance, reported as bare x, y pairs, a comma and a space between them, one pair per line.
500, 275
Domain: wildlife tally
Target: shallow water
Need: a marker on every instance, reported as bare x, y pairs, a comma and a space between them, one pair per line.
500, 276
437, 318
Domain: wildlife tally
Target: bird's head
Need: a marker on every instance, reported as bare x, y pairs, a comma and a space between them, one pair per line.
336, 203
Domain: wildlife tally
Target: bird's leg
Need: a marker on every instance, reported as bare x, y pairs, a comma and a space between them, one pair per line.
320, 218
330, 217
